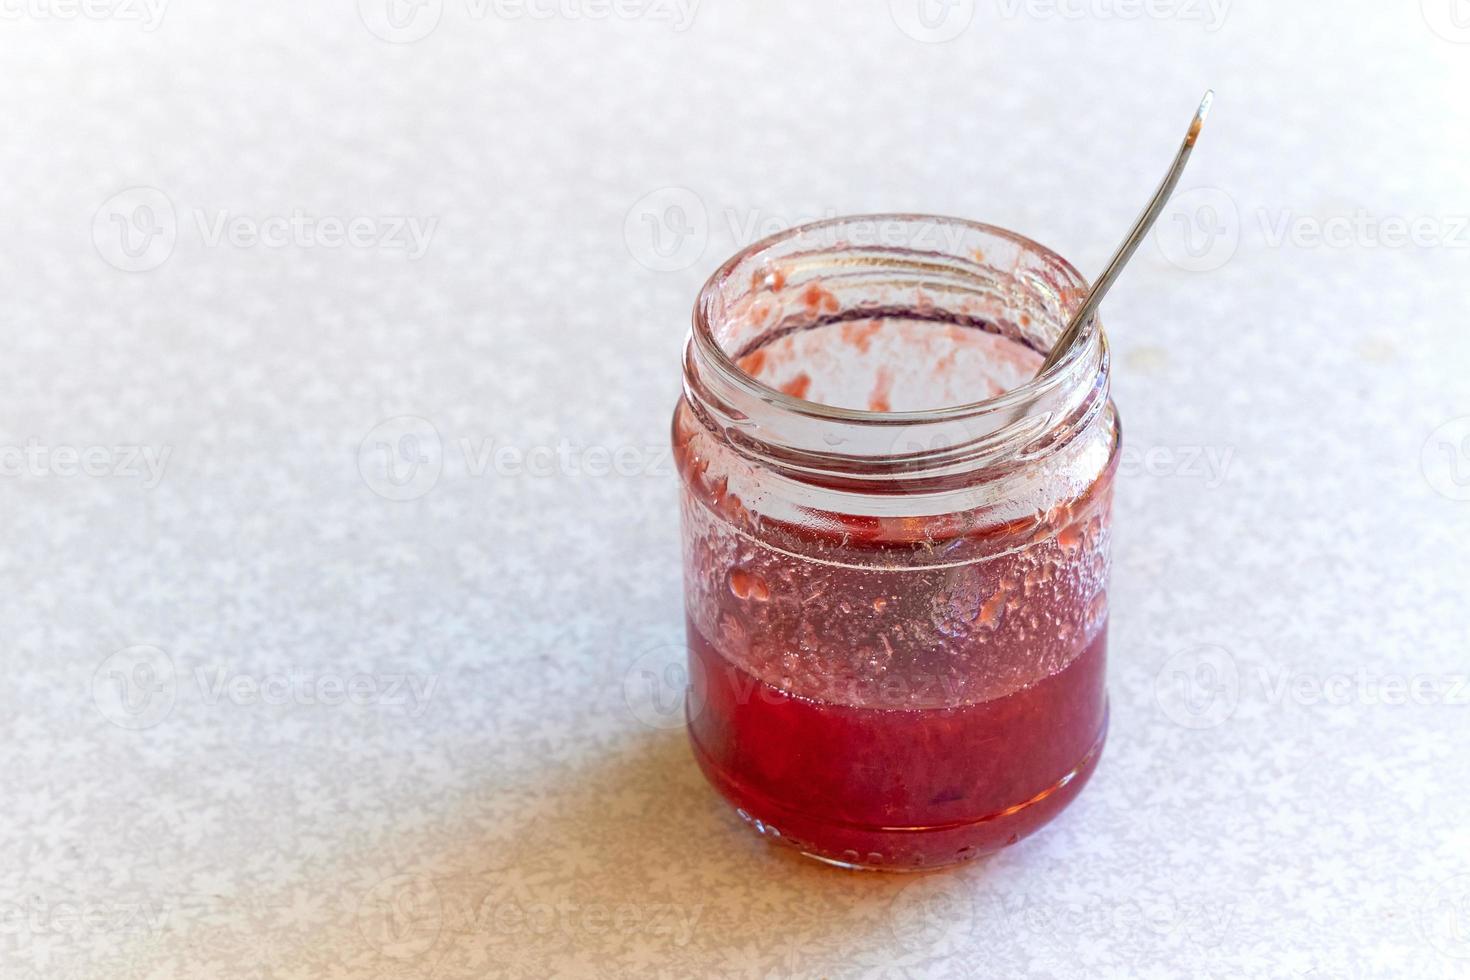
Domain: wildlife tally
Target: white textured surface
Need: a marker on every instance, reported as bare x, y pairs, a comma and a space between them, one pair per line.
527, 815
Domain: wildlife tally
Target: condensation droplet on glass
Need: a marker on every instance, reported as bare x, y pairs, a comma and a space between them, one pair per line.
748, 585
957, 604
990, 611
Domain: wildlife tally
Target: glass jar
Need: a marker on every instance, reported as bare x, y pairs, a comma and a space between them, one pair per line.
895, 538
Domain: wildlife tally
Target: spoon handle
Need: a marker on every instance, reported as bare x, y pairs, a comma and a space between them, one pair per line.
1135, 238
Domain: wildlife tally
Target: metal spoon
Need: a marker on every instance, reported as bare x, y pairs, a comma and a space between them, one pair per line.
1135, 238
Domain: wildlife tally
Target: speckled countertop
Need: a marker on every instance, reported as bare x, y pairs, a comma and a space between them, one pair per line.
275, 708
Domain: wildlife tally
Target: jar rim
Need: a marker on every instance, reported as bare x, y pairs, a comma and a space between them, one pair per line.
715, 356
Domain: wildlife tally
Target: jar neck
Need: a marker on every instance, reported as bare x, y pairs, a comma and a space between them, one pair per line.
962, 277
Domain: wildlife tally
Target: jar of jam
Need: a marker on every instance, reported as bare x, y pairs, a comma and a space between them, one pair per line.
895, 538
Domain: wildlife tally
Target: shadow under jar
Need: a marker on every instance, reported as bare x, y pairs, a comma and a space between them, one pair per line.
895, 539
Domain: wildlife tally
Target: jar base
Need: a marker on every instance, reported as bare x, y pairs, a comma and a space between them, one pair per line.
854, 847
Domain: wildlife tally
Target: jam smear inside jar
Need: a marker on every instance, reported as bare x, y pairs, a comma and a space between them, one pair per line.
896, 539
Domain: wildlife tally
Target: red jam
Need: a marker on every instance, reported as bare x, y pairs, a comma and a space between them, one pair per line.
898, 788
